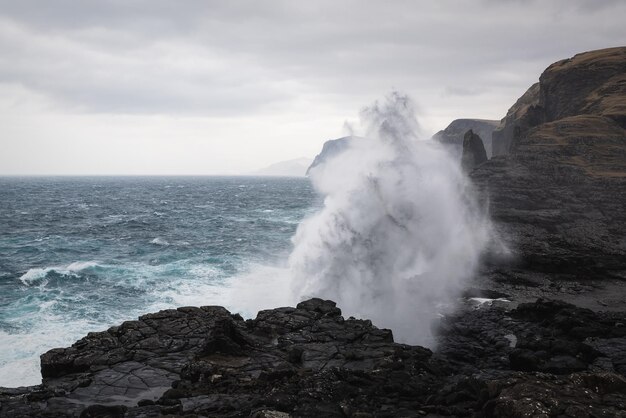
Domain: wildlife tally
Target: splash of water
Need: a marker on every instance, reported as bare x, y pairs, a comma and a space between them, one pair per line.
400, 230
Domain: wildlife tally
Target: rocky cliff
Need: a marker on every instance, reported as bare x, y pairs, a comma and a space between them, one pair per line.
330, 149
560, 195
519, 117
453, 135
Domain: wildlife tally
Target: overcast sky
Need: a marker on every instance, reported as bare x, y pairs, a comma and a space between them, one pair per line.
219, 87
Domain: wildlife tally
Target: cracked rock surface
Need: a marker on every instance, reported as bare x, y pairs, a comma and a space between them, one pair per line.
309, 361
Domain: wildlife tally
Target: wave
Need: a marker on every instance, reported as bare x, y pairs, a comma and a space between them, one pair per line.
160, 241
35, 275
400, 231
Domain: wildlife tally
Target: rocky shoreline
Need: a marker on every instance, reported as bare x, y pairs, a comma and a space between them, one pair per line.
310, 361
541, 332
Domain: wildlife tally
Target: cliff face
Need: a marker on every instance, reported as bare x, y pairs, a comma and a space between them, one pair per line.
591, 83
454, 134
560, 196
330, 149
519, 117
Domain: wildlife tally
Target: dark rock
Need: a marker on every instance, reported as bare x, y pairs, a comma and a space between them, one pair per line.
577, 395
522, 115
563, 365
310, 361
101, 411
559, 198
452, 137
473, 151
524, 360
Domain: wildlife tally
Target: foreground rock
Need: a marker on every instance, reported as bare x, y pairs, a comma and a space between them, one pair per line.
560, 195
309, 361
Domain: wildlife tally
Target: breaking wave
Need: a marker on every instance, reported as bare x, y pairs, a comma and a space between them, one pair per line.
400, 230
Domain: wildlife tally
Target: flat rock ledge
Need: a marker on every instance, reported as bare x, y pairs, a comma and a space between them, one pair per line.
545, 359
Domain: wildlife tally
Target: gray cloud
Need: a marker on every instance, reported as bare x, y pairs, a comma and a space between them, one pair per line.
236, 58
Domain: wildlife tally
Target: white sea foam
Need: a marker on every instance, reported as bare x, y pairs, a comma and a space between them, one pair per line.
400, 230
37, 274
478, 302
34, 274
81, 265
261, 287
160, 241
19, 352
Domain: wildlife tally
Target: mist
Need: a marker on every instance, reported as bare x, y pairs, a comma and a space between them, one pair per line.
400, 230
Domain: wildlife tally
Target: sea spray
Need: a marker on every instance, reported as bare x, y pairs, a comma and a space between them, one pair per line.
400, 230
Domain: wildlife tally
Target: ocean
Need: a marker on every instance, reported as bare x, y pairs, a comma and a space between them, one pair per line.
80, 254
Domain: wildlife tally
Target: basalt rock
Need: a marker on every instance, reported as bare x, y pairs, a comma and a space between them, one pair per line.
522, 115
309, 361
560, 196
473, 151
453, 135
305, 361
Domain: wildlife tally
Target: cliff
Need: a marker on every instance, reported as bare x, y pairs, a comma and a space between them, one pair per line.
591, 83
560, 195
330, 149
519, 117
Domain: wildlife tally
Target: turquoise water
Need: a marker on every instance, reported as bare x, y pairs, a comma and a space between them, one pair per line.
79, 254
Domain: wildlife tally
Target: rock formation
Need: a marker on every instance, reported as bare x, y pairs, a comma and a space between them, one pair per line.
309, 361
473, 151
330, 149
454, 133
591, 83
560, 196
519, 117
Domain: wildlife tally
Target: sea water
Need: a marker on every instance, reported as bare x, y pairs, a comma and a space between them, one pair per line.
80, 254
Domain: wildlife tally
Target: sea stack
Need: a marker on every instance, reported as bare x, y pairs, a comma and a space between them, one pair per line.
474, 153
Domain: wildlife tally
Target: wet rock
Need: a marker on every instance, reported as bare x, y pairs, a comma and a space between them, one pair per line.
584, 395
310, 361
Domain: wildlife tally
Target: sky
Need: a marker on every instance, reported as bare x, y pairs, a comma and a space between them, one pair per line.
226, 87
